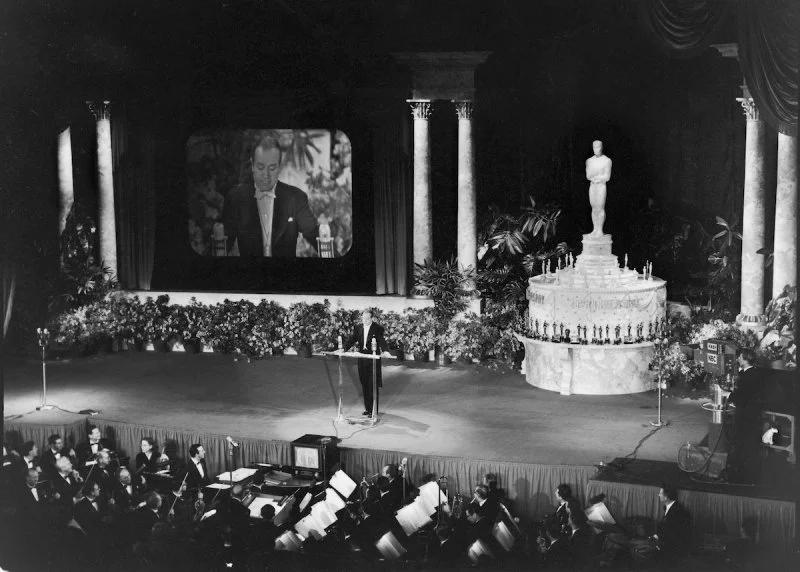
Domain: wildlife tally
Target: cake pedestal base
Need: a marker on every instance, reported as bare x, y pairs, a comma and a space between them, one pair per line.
590, 369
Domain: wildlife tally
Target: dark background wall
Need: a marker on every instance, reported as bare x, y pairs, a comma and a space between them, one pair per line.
561, 74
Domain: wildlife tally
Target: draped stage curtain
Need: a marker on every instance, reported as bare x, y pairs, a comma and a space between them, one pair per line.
768, 55
682, 27
392, 185
768, 46
712, 513
133, 152
17, 433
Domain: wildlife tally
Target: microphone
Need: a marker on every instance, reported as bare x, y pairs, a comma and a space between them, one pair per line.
231, 442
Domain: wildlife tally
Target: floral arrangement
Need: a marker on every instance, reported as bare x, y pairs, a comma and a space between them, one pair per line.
421, 327
69, 328
158, 324
466, 338
343, 322
675, 368
308, 324
396, 330
191, 322
267, 334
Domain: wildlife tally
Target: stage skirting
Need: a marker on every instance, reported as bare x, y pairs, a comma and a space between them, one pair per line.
530, 487
712, 513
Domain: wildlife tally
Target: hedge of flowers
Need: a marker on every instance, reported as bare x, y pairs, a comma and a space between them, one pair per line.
266, 328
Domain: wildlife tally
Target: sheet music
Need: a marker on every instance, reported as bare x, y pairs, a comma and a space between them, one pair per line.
306, 525
219, 486
304, 502
323, 514
427, 495
343, 484
333, 500
412, 517
259, 502
599, 513
238, 475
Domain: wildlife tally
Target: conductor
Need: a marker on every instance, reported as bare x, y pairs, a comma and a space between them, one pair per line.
362, 337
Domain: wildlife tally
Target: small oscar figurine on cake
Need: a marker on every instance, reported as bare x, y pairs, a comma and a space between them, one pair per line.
536, 330
608, 338
628, 338
585, 334
544, 337
567, 337
561, 331
617, 339
639, 330
650, 336
594, 333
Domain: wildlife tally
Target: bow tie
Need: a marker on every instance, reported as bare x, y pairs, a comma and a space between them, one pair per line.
264, 194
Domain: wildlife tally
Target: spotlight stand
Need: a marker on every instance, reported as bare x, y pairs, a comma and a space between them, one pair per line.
44, 340
660, 349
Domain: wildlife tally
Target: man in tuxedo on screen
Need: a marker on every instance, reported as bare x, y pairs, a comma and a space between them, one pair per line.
263, 215
362, 338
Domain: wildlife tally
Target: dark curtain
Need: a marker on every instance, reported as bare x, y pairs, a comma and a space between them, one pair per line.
681, 27
768, 54
392, 184
133, 151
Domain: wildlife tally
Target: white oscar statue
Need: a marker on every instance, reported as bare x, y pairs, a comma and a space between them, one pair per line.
598, 172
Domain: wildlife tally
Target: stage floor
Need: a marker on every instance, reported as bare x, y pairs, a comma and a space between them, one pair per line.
462, 411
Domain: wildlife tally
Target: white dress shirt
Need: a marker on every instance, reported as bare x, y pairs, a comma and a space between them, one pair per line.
199, 466
35, 493
366, 333
266, 202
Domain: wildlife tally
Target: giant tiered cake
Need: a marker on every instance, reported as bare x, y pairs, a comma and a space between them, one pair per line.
593, 292
593, 322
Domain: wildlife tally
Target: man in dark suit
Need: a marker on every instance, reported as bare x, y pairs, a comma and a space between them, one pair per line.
566, 504
65, 483
674, 535
87, 450
102, 474
125, 495
197, 472
55, 450
362, 338
744, 461
484, 505
263, 215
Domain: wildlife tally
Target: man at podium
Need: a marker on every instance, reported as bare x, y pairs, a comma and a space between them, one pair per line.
362, 338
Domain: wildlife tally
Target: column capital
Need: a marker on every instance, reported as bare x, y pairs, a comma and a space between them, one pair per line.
420, 108
464, 108
101, 109
750, 108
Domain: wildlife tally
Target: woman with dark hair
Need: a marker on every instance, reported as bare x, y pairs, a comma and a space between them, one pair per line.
149, 460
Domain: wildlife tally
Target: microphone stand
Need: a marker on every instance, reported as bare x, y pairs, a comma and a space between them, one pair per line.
44, 340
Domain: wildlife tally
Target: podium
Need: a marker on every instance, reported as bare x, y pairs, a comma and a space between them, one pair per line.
341, 354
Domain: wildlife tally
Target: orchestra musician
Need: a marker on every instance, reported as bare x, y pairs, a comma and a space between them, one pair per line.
149, 460
197, 472
124, 495
102, 474
566, 504
67, 483
55, 450
87, 450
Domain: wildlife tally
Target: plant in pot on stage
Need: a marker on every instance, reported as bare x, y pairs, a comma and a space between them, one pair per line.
100, 327
394, 331
267, 336
502, 323
69, 330
158, 325
421, 326
343, 323
466, 339
514, 248
192, 323
308, 326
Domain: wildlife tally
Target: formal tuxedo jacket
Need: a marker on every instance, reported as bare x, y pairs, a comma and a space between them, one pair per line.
747, 397
290, 216
66, 488
83, 451
193, 478
49, 461
123, 500
105, 479
674, 531
25, 499
365, 365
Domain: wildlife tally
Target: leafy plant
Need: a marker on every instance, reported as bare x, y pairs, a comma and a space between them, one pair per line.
446, 284
420, 331
158, 324
467, 339
308, 324
514, 248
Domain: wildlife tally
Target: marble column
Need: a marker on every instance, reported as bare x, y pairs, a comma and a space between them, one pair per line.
66, 193
423, 230
784, 262
106, 221
467, 231
753, 218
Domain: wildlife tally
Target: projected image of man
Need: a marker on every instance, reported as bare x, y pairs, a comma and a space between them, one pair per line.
263, 216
